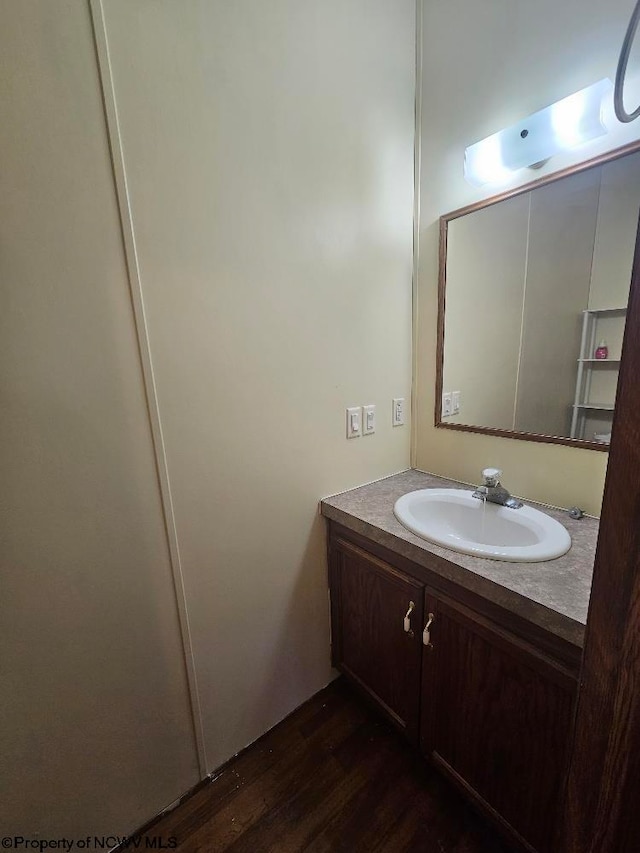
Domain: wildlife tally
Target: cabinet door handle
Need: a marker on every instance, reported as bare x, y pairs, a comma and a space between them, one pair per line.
426, 634
407, 619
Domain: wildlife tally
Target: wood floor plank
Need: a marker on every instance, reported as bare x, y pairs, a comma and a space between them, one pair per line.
332, 777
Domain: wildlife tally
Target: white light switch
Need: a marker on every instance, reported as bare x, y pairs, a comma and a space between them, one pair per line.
455, 402
368, 420
397, 416
354, 422
447, 404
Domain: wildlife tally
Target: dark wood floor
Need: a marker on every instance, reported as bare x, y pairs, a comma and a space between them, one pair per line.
332, 777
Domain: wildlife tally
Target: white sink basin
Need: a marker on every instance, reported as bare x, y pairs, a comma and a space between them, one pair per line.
454, 519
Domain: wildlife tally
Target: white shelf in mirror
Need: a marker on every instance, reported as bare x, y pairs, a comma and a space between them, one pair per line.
600, 407
587, 366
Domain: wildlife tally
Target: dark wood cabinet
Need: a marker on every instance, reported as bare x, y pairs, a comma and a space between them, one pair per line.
489, 697
370, 602
496, 717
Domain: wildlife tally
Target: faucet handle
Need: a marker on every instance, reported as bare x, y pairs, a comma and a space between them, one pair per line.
491, 477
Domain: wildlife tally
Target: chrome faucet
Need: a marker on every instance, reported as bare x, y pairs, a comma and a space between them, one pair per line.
492, 491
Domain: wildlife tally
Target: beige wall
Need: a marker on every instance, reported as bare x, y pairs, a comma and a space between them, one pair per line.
561, 235
517, 59
485, 293
269, 154
95, 728
615, 236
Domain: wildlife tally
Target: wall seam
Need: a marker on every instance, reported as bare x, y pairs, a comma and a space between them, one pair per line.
522, 317
417, 176
142, 334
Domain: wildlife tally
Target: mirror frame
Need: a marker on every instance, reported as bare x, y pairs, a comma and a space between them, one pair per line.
614, 154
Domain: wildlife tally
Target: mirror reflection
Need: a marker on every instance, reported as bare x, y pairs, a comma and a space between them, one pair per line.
536, 288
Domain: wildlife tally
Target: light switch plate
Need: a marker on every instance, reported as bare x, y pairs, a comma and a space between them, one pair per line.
354, 422
397, 414
447, 405
368, 420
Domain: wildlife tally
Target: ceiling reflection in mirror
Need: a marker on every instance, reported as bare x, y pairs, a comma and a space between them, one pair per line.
534, 292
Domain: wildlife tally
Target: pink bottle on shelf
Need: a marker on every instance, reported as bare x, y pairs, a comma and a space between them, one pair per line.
602, 350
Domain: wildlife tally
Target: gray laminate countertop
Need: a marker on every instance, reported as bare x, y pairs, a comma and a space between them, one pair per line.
552, 594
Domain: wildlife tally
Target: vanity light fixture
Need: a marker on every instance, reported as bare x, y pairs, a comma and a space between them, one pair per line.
565, 124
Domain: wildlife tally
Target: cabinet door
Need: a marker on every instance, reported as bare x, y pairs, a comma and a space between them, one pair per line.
369, 602
496, 717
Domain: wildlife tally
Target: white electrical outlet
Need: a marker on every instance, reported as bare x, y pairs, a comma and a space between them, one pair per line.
354, 422
447, 405
368, 420
455, 402
397, 416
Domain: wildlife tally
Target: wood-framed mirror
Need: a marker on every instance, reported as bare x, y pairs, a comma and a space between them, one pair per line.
533, 291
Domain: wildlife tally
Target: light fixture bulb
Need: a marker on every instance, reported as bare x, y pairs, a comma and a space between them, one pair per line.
484, 161
566, 119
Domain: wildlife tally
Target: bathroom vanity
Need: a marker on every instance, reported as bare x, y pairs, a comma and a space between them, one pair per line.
475, 660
